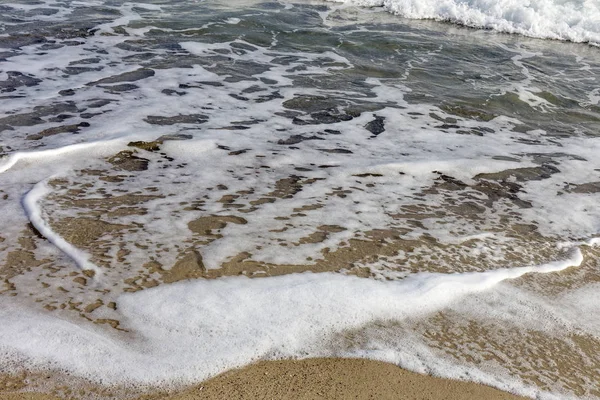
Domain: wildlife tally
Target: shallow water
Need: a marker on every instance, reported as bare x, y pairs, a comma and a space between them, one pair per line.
151, 143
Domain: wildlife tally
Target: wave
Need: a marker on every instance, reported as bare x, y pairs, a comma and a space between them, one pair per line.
572, 20
190, 331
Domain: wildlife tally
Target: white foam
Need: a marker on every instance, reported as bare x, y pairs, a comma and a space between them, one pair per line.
593, 242
31, 204
188, 331
574, 20
128, 15
96, 148
582, 301
594, 96
60, 11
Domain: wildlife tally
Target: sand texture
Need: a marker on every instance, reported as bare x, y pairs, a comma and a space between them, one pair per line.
321, 378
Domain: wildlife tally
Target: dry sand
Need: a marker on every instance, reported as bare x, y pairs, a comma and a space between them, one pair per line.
324, 378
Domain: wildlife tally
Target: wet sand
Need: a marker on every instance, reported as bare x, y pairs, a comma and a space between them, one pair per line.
27, 396
322, 378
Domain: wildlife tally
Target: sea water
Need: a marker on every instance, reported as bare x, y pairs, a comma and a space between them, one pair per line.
188, 187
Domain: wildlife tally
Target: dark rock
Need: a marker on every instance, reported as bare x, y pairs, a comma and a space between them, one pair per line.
125, 87
175, 136
155, 145
171, 92
253, 89
80, 70
447, 126
376, 126
328, 117
28, 119
74, 128
176, 119
468, 209
60, 117
34, 118
91, 60
450, 183
311, 104
211, 83
131, 76
465, 111
238, 97
17, 79
550, 158
51, 46
501, 190
235, 127
140, 57
100, 103
298, 121
268, 81
18, 41
322, 117
88, 115
56, 108
295, 139
66, 92
148, 146
367, 174
591, 187
336, 151
76, 32
128, 161
470, 132
285, 60
268, 97
522, 174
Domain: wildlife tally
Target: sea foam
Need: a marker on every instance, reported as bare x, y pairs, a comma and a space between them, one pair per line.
189, 331
185, 332
574, 20
35, 214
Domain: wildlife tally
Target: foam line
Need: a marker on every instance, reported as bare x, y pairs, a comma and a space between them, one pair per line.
31, 204
31, 201
14, 158
188, 331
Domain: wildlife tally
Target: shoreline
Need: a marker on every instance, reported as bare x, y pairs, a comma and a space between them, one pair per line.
316, 378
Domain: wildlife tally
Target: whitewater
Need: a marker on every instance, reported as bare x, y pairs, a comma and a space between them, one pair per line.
576, 21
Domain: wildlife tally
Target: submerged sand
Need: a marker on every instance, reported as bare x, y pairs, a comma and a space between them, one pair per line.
321, 378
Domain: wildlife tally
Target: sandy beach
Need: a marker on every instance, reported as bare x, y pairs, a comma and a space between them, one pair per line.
321, 378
